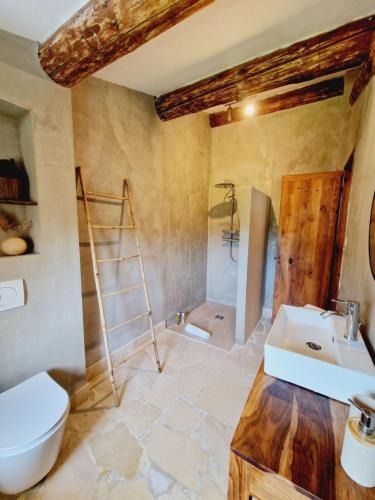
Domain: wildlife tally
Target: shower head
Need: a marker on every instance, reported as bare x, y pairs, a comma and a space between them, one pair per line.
226, 185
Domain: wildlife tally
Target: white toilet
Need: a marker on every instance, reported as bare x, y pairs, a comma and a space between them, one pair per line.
33, 415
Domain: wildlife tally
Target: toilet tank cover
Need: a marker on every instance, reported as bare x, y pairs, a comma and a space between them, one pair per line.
30, 410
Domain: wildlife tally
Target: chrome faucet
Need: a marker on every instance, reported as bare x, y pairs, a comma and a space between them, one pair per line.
352, 317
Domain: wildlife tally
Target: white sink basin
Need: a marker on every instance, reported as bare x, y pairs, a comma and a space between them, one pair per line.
339, 369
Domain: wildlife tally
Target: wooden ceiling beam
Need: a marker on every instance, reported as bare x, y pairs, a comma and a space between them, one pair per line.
366, 72
102, 31
306, 95
340, 49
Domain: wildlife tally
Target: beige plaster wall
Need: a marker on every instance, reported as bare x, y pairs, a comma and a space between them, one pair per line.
258, 152
357, 282
253, 207
47, 333
9, 137
118, 134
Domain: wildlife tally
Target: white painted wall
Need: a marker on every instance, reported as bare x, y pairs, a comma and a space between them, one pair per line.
36, 19
192, 49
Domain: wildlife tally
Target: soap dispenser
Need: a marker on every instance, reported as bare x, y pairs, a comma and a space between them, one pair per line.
358, 451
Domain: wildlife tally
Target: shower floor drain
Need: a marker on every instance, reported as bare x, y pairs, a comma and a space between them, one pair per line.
219, 316
314, 346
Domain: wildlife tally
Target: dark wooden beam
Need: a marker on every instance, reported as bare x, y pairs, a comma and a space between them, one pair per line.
102, 31
340, 49
366, 72
299, 97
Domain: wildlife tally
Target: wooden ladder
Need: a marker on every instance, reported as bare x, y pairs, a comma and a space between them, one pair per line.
125, 197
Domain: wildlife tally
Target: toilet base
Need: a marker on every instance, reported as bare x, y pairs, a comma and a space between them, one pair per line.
23, 469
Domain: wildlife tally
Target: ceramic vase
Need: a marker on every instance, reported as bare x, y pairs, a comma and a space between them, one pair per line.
14, 246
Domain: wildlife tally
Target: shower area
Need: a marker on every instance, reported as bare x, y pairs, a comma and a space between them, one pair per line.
237, 239
228, 208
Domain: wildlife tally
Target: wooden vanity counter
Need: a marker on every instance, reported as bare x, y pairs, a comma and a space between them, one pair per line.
287, 446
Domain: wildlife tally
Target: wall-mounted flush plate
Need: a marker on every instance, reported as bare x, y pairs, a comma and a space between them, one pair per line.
12, 294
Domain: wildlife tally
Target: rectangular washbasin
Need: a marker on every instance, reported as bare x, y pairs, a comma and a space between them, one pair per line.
309, 351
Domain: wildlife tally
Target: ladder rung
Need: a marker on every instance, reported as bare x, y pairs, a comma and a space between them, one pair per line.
104, 195
123, 290
129, 321
97, 226
118, 259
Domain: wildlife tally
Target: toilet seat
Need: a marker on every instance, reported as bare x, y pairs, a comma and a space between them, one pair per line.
30, 411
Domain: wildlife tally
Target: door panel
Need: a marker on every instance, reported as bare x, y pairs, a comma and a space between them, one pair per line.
308, 217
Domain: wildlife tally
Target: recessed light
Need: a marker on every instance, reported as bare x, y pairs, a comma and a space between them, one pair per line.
249, 109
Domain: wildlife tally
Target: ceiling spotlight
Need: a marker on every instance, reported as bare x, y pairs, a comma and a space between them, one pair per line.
249, 109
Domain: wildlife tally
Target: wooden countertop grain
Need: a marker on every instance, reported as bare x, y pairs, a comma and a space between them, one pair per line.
296, 434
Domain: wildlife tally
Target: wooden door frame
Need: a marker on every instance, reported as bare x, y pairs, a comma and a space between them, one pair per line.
341, 227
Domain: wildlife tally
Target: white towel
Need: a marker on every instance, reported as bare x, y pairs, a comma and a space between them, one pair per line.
195, 330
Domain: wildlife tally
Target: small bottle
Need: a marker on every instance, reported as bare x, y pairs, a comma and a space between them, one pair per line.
358, 450
180, 318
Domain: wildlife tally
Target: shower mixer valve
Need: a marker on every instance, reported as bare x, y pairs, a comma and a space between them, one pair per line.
231, 235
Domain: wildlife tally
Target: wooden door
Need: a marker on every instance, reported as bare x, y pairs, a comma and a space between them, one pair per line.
307, 229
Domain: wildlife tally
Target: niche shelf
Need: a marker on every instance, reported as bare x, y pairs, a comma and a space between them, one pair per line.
17, 202
17, 142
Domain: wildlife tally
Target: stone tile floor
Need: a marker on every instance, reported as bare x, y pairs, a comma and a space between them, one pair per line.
204, 316
170, 438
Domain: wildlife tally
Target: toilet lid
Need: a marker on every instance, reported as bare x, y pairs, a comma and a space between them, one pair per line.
29, 410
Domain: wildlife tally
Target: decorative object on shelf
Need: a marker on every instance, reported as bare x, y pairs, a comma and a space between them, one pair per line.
10, 224
14, 246
14, 182
17, 242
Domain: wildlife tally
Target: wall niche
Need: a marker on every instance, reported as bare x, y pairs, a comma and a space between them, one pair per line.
18, 217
